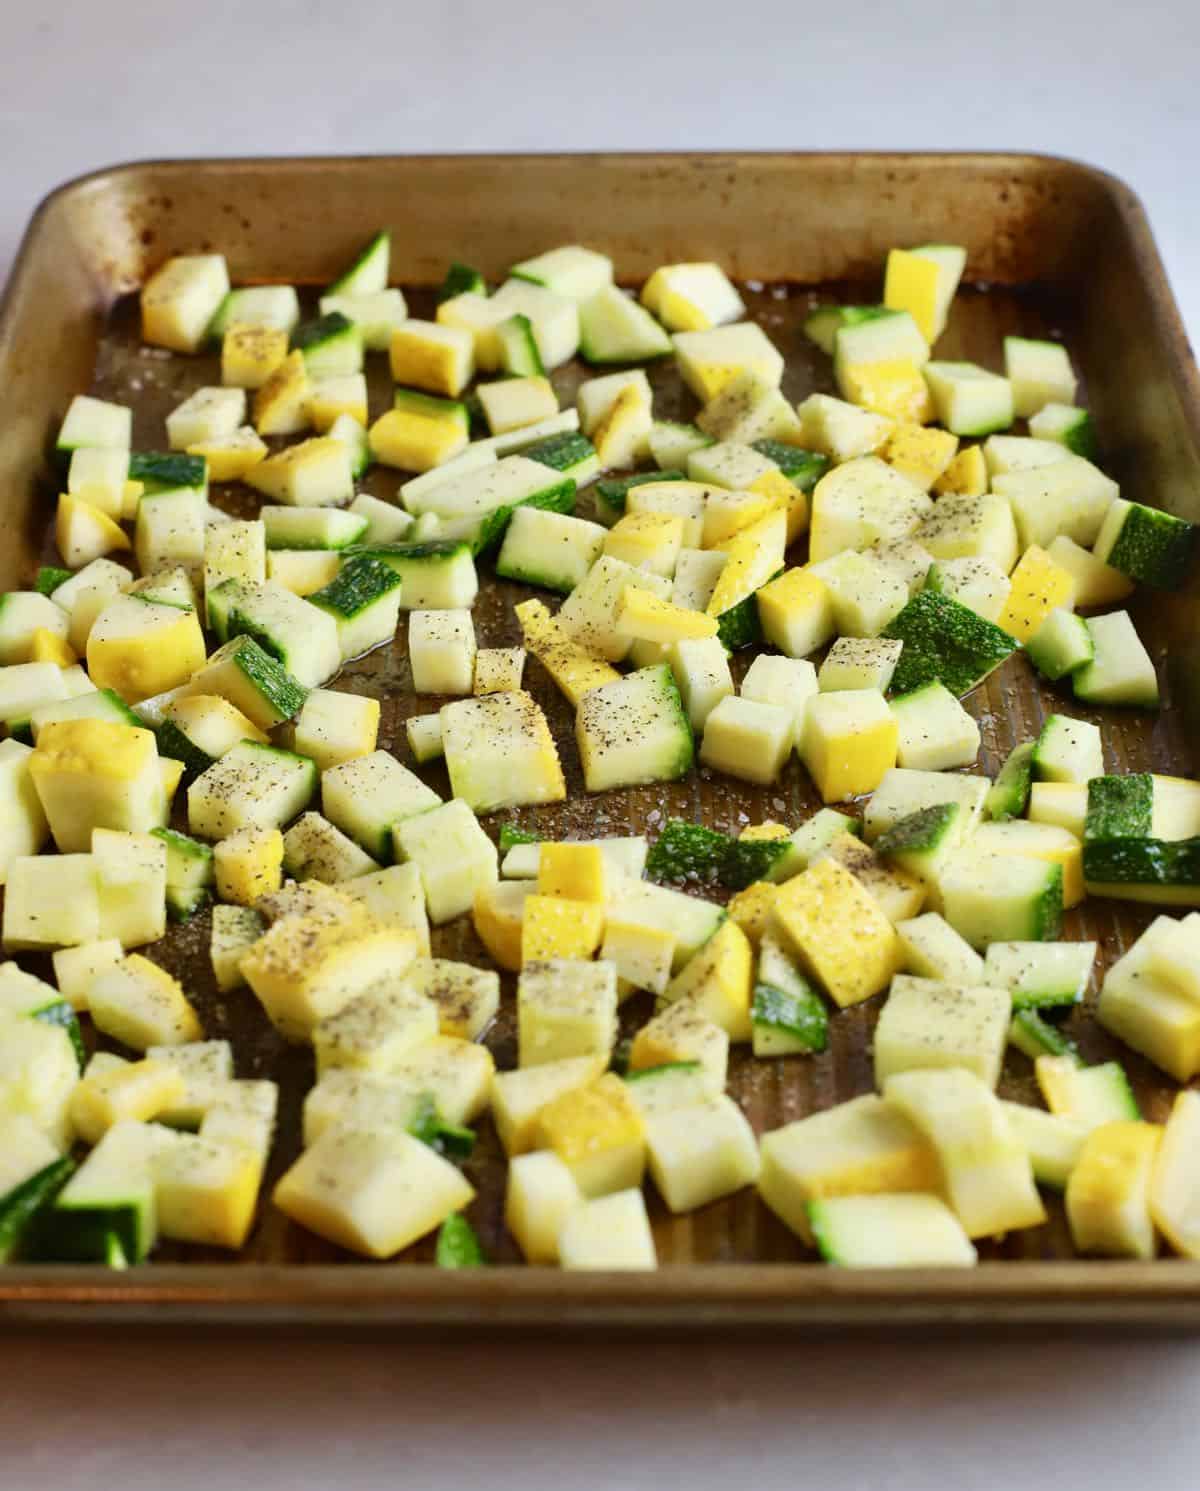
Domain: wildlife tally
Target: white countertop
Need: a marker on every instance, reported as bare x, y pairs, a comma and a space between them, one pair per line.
89, 85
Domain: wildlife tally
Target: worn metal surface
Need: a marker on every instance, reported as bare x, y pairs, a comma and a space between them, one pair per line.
1053, 248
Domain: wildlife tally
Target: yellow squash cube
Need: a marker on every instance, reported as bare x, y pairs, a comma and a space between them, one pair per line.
76, 967
558, 928
925, 1023
859, 1148
701, 1152
921, 455
248, 864
642, 956
787, 494
911, 284
437, 358
574, 871
140, 1004
373, 1192
851, 740
565, 1008
414, 441
457, 1074
647, 618
498, 915
599, 1134
986, 1173
1175, 1197
620, 436
727, 512
314, 473
753, 908
647, 540
466, 998
1039, 586
708, 360
330, 398
498, 670
477, 315
250, 354
682, 1033
94, 773
375, 1029
541, 1194
574, 670
206, 1192
180, 299
310, 965
141, 648
172, 774
518, 1097
768, 831
692, 297
281, 404
754, 555
609, 1234
127, 1089
46, 646
303, 571
718, 981
796, 612
967, 474
894, 388
233, 457
1109, 1190
839, 931
83, 533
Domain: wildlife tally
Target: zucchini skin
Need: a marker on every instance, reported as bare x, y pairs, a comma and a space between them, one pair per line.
1009, 795
690, 851
612, 492
167, 471
805, 1019
458, 1245
23, 1206
945, 641
1119, 807
1142, 861
461, 279
358, 585
320, 330
803, 468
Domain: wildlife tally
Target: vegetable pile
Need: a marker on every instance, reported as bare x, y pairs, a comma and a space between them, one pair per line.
169, 736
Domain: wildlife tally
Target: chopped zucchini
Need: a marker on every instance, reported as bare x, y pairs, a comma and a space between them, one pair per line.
1068, 750
364, 601
368, 274
1040, 975
1009, 794
1146, 544
1068, 426
1061, 645
1119, 670
947, 642
787, 1015
615, 328
331, 345
633, 731
461, 279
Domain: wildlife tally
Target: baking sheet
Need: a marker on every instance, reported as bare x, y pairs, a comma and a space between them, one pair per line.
739, 1231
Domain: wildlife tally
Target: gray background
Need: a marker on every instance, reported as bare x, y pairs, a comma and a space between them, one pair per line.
91, 83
